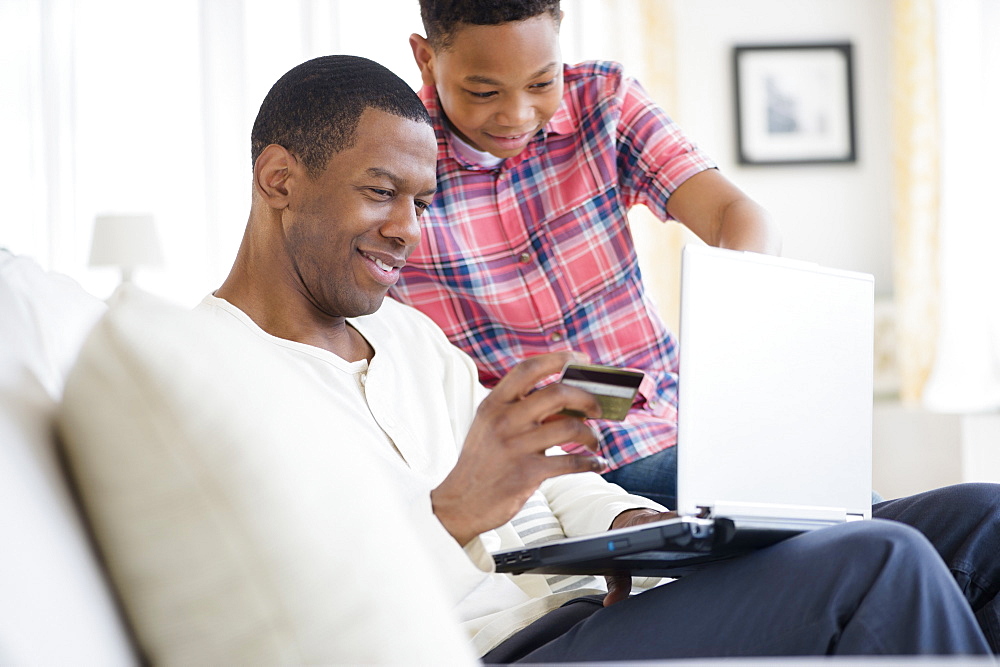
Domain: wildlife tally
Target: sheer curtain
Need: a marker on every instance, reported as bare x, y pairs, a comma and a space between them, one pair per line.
115, 106
916, 180
966, 373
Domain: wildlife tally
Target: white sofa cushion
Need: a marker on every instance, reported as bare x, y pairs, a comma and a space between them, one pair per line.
56, 607
235, 533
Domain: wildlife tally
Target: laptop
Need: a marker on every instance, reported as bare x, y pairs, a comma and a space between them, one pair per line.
774, 418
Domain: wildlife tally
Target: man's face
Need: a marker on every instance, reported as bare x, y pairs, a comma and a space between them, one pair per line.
348, 231
500, 84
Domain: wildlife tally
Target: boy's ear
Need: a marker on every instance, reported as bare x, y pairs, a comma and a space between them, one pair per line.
424, 55
272, 174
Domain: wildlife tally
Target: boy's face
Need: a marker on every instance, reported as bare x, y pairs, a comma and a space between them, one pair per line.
498, 84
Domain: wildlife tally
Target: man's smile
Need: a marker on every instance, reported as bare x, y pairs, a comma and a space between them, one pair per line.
384, 267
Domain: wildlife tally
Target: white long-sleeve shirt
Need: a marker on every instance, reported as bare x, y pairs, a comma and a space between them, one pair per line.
412, 405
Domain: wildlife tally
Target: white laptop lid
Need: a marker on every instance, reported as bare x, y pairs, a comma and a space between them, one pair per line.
775, 389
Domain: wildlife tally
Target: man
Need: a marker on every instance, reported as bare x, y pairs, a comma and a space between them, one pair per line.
344, 161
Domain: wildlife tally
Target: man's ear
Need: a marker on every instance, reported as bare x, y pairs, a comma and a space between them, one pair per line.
271, 174
424, 55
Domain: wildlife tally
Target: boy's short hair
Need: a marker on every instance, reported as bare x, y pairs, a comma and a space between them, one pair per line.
313, 110
443, 17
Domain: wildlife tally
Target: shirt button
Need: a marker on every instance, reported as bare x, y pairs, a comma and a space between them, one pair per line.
525, 258
555, 337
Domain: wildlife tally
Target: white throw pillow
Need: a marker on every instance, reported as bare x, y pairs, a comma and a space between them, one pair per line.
233, 531
56, 607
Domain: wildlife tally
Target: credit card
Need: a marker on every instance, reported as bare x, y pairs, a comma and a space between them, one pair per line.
615, 388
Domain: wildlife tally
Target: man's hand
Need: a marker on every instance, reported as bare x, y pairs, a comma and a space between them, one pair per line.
503, 459
620, 585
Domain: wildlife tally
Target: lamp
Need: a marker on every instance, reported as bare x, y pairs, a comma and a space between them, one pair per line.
125, 241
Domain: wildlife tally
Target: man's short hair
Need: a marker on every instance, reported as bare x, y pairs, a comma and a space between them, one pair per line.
314, 109
442, 18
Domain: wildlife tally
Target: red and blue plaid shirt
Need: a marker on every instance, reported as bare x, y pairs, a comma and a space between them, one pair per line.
536, 254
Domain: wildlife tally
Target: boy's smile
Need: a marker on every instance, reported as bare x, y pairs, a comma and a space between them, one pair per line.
498, 84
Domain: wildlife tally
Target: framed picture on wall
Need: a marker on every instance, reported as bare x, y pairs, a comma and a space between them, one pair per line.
794, 103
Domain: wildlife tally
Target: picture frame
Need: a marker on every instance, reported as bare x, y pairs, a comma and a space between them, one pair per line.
794, 103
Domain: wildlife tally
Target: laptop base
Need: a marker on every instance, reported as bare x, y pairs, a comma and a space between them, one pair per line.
672, 548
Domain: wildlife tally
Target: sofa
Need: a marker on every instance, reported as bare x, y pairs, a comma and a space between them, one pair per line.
170, 497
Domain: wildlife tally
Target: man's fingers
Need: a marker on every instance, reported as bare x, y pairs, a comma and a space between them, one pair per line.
532, 417
541, 405
519, 382
573, 463
555, 433
619, 587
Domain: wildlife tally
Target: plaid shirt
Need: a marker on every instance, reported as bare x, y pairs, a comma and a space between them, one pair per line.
536, 254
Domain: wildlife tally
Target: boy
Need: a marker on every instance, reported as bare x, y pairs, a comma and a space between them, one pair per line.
527, 248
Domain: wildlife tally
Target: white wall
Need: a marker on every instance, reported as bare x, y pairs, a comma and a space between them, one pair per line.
838, 215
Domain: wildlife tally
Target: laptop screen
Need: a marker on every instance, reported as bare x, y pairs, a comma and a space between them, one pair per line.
775, 389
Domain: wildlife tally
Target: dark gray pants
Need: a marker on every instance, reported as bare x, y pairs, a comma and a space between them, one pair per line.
963, 524
874, 587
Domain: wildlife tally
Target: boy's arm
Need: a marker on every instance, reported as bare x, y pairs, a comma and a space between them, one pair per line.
720, 214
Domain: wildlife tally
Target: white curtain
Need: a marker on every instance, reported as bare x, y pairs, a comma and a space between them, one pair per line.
966, 374
118, 106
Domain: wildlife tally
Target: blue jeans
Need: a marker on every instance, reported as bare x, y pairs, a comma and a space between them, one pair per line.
653, 477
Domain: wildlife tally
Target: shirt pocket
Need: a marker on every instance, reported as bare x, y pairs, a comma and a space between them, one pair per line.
583, 237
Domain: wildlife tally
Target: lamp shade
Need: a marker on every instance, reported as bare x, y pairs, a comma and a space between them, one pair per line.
125, 241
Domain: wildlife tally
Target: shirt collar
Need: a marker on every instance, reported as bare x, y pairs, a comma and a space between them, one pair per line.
562, 121
428, 94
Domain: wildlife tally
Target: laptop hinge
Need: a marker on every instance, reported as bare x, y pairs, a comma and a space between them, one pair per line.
775, 511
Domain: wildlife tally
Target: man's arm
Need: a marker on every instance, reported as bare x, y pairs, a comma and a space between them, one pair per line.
503, 458
722, 215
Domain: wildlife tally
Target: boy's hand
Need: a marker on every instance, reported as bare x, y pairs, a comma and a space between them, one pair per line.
503, 459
